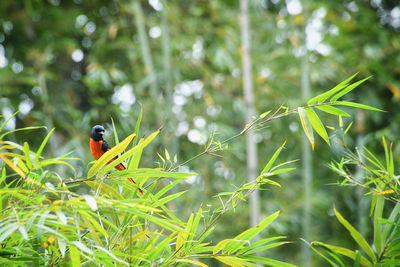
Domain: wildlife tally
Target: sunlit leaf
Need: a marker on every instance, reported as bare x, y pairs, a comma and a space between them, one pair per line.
356, 236
75, 258
317, 124
348, 89
345, 252
40, 150
324, 96
305, 123
355, 105
270, 163
332, 110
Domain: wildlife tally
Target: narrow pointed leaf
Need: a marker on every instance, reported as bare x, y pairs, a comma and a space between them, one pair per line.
356, 236
317, 124
268, 167
27, 156
332, 110
377, 225
348, 89
355, 105
12, 166
345, 252
40, 150
324, 96
305, 123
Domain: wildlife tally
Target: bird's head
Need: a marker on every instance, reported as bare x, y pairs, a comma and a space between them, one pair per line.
97, 133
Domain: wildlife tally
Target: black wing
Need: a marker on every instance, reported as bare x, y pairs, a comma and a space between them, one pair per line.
105, 146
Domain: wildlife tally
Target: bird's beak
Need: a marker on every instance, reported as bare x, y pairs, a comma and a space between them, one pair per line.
102, 132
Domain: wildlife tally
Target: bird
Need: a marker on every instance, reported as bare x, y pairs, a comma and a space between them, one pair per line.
99, 146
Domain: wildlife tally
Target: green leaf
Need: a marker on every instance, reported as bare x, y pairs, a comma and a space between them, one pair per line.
137, 128
317, 124
262, 116
345, 252
324, 96
348, 89
330, 253
267, 261
357, 260
21, 129
355, 105
268, 167
109, 155
250, 233
116, 139
305, 123
27, 156
40, 150
259, 243
332, 110
75, 257
356, 236
392, 218
5, 123
380, 201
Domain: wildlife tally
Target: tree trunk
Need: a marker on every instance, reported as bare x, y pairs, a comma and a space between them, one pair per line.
251, 146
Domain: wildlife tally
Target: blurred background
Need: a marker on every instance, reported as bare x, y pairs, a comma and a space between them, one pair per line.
73, 64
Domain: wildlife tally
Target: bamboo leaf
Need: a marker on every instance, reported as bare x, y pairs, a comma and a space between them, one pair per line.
75, 257
5, 123
267, 261
263, 115
116, 139
83, 247
377, 225
345, 252
27, 156
332, 110
392, 218
195, 262
317, 124
324, 96
40, 150
356, 236
355, 105
268, 167
348, 89
137, 128
305, 123
12, 166
231, 260
250, 233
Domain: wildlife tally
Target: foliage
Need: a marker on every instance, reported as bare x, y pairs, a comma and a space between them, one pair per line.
45, 222
382, 185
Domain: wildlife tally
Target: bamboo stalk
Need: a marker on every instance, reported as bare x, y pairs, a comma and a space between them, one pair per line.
251, 146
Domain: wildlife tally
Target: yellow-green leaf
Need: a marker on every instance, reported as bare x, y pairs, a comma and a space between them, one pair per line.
305, 123
75, 258
332, 110
12, 166
317, 124
356, 236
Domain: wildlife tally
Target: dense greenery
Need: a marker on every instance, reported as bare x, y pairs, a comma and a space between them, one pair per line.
68, 65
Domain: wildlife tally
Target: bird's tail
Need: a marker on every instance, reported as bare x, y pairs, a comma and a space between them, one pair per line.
121, 168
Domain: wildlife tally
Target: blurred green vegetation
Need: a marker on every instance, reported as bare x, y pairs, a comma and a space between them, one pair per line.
74, 64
